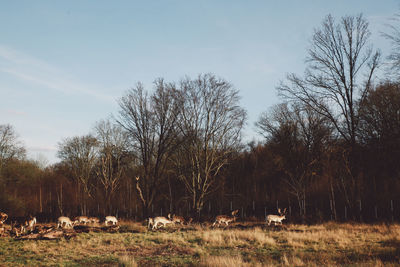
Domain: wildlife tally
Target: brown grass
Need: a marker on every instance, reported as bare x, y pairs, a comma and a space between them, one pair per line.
250, 244
235, 237
226, 261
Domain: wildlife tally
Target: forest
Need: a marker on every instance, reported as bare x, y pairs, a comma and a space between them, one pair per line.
330, 149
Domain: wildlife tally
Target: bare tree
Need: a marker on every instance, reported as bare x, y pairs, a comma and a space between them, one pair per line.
340, 69
211, 121
298, 137
151, 125
394, 37
380, 115
80, 154
380, 130
10, 145
113, 142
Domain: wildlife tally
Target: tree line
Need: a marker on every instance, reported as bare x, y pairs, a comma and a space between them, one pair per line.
331, 149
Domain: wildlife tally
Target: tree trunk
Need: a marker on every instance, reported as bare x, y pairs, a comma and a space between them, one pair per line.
40, 199
333, 200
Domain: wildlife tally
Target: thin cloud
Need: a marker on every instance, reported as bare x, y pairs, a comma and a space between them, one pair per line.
16, 113
42, 149
27, 68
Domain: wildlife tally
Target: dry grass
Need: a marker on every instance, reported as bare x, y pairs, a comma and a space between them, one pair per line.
329, 244
127, 260
232, 238
226, 261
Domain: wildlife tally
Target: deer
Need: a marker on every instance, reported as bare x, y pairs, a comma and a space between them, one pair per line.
158, 220
176, 219
277, 218
3, 217
94, 219
31, 223
82, 219
111, 219
64, 222
226, 219
17, 228
19, 225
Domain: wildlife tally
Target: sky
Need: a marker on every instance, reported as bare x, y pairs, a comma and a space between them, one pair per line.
65, 64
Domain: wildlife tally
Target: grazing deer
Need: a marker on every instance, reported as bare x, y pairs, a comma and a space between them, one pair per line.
176, 219
277, 218
3, 217
226, 219
31, 223
17, 228
111, 219
64, 222
20, 224
94, 220
158, 220
82, 219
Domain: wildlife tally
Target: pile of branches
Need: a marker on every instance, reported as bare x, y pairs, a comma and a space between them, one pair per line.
50, 232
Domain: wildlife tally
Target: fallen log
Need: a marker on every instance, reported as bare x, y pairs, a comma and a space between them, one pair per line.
110, 228
86, 229
51, 233
82, 228
28, 237
57, 234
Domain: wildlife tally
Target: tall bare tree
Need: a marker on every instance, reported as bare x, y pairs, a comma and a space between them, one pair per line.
151, 125
340, 69
113, 143
80, 154
211, 121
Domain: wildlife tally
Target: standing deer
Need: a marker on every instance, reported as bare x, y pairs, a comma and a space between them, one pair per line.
277, 218
176, 219
111, 219
64, 222
82, 219
3, 217
226, 219
158, 220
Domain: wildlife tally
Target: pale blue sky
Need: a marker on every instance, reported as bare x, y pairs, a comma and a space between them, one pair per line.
64, 64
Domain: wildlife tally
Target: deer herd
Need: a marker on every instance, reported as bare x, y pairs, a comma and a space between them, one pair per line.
21, 225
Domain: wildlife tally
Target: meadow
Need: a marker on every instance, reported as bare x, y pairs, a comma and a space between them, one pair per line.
240, 244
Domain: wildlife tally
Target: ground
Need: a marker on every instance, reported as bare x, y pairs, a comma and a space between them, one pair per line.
240, 244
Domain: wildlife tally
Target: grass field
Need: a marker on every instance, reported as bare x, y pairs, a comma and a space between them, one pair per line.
242, 244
